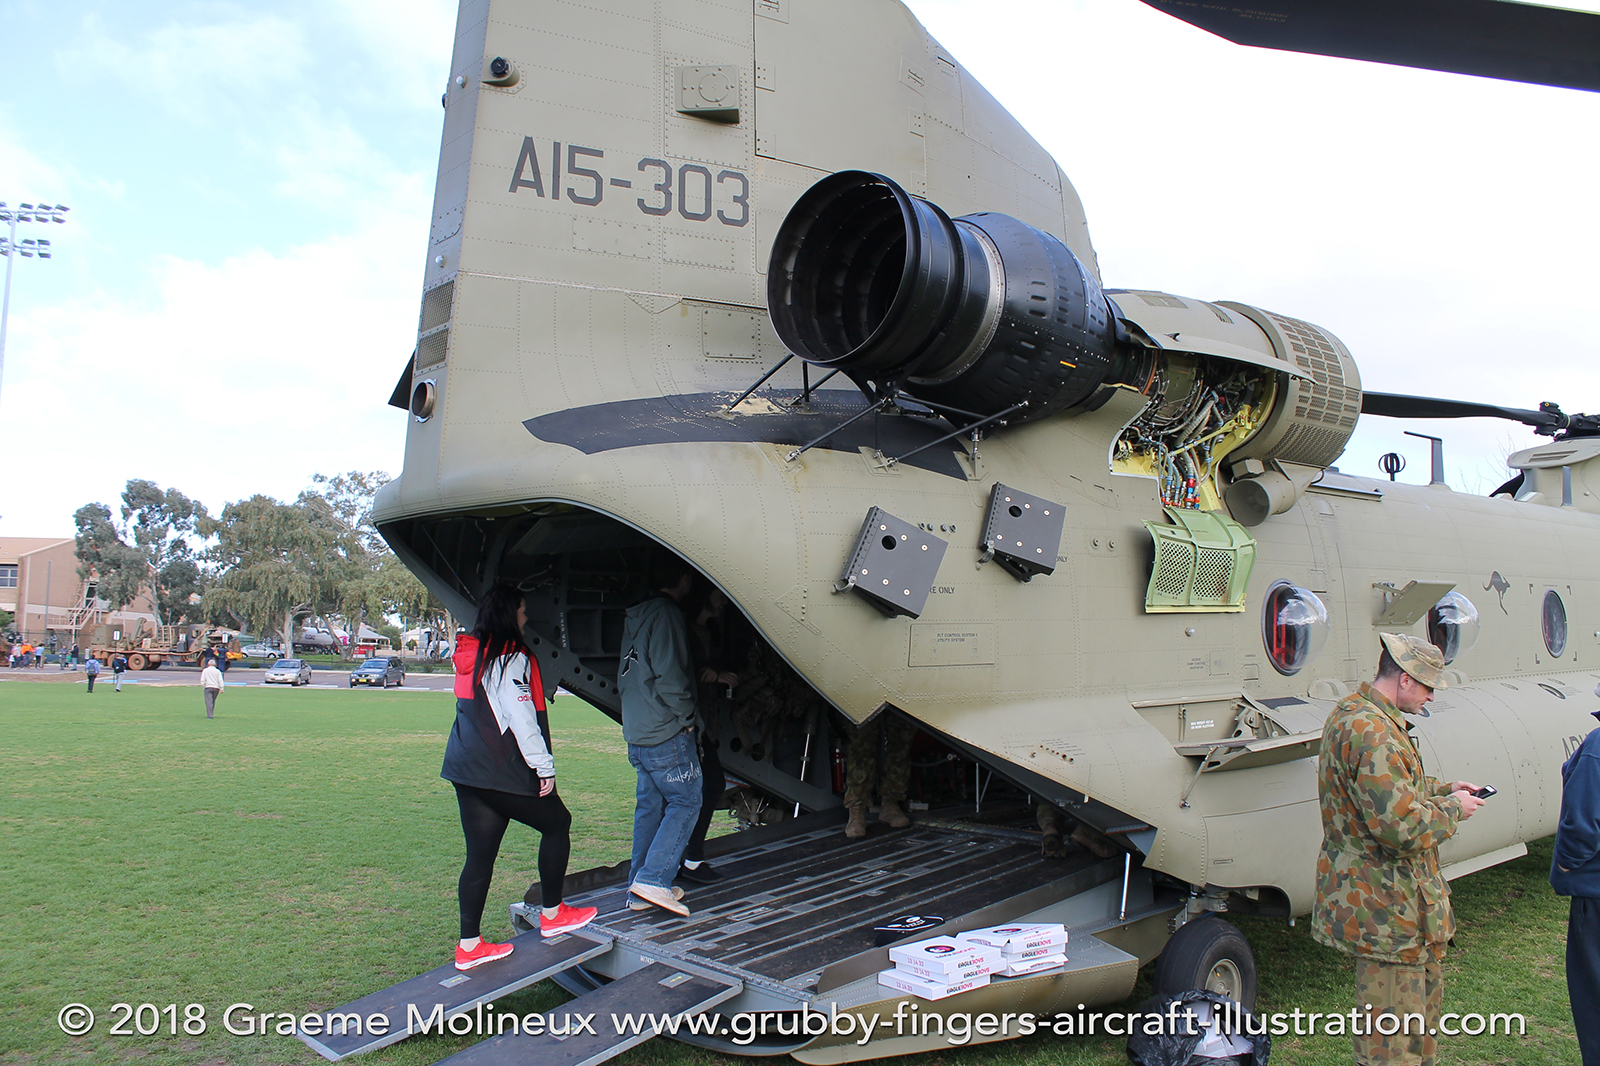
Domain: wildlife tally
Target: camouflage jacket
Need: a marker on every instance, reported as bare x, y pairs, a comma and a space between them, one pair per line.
1379, 890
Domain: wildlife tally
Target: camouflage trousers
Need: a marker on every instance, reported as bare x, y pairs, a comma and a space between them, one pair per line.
886, 738
1389, 992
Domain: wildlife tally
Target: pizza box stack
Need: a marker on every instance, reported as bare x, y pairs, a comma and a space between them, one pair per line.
939, 967
1024, 948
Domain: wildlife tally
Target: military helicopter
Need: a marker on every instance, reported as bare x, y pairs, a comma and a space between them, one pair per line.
813, 312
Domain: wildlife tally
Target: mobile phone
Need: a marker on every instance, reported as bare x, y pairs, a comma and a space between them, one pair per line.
1485, 792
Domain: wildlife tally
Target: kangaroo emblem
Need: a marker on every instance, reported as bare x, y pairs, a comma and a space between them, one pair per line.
1500, 585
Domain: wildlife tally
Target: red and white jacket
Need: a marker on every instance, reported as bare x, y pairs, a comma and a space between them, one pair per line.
516, 696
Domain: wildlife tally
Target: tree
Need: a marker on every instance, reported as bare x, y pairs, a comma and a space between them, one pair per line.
277, 562
119, 570
161, 523
410, 598
344, 507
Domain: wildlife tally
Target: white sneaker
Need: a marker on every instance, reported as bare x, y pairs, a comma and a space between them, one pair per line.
637, 904
661, 897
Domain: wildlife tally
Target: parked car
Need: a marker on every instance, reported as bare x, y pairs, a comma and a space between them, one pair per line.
263, 650
293, 671
379, 671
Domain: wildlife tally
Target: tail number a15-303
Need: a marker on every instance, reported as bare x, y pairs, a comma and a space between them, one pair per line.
690, 188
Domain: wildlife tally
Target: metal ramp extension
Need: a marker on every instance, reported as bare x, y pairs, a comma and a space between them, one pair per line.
422, 1004
665, 993
408, 1005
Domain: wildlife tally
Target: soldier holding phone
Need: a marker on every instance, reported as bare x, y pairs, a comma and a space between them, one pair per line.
1380, 894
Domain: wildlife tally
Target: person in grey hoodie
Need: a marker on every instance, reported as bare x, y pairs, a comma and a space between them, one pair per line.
656, 682
1575, 872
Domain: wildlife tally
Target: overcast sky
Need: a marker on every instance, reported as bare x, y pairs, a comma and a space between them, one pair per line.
236, 290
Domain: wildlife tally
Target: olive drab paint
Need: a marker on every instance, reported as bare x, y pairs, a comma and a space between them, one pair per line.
594, 297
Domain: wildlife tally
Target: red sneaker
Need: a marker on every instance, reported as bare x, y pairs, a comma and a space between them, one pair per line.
566, 920
484, 952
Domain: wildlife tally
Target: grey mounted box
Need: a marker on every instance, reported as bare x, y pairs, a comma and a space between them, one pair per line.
1023, 532
710, 92
894, 564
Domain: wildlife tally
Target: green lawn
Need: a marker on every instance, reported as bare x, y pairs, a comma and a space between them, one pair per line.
300, 851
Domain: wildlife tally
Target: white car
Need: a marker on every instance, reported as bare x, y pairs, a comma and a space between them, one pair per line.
293, 671
262, 651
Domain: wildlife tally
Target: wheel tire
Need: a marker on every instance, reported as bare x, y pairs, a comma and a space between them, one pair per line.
137, 661
1208, 953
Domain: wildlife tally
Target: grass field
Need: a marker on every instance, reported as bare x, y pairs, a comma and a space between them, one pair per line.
300, 850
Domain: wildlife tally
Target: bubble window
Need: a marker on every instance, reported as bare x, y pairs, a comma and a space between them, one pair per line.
1554, 617
1294, 627
1453, 625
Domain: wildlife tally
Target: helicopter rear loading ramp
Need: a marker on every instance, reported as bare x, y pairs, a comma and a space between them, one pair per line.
791, 929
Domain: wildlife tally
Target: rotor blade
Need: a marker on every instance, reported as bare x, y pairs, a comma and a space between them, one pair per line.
1488, 38
1397, 405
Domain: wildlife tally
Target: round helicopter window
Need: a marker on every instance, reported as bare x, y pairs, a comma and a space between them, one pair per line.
1555, 623
1294, 626
1453, 625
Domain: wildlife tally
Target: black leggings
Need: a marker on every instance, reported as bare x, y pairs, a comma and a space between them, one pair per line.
485, 814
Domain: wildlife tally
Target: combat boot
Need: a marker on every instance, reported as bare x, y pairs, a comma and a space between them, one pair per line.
893, 815
856, 827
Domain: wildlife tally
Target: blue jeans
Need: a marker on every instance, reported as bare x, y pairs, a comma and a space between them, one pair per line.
667, 803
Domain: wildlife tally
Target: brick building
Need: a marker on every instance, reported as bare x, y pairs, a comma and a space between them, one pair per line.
39, 585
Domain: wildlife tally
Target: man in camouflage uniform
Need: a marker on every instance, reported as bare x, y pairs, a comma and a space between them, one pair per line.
893, 735
1380, 895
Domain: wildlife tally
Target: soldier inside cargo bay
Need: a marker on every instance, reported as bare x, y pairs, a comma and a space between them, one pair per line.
879, 759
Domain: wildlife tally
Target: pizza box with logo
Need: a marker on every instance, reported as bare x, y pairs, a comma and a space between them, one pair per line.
901, 981
1036, 965
1021, 940
945, 954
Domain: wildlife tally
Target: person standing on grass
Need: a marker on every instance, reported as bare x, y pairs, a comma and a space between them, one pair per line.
119, 663
92, 670
211, 683
499, 760
1380, 894
1575, 872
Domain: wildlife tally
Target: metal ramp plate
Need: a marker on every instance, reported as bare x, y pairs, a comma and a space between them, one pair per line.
534, 959
789, 908
658, 992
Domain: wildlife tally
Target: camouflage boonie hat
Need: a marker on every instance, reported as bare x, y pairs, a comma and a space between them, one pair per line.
1423, 661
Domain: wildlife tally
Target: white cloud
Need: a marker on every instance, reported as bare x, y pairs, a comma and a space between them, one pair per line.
258, 372
410, 38
196, 72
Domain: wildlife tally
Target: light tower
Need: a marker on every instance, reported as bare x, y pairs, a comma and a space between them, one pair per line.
27, 249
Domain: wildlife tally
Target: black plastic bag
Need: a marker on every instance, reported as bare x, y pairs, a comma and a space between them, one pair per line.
1176, 1045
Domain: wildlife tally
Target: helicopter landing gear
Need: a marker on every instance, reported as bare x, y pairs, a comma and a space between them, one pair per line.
1208, 953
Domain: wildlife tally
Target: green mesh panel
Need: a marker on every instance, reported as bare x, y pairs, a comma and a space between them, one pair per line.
1202, 563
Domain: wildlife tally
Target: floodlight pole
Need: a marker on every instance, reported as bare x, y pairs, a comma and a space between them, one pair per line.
10, 249
5, 307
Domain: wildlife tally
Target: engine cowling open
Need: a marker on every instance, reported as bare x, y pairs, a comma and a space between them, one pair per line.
978, 313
